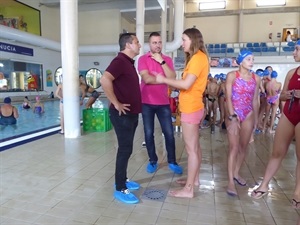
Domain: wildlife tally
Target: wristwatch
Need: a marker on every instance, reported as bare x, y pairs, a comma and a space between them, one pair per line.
232, 116
163, 62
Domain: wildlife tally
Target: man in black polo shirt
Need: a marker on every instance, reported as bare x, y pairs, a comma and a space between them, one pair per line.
120, 83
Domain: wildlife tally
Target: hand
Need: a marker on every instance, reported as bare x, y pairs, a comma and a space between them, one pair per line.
288, 94
122, 108
157, 57
297, 94
160, 79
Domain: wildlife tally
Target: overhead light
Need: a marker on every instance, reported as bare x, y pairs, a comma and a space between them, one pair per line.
212, 5
260, 3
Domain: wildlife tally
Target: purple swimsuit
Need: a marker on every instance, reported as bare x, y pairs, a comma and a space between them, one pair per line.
242, 96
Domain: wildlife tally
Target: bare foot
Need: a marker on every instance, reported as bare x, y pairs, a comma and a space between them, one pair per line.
183, 193
183, 182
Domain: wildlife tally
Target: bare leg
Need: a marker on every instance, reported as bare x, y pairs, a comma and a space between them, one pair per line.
90, 102
61, 110
297, 188
273, 114
233, 139
267, 116
245, 135
190, 134
283, 137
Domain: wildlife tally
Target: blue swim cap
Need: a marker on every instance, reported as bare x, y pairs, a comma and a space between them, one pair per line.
209, 75
298, 42
7, 100
259, 72
266, 72
274, 74
243, 54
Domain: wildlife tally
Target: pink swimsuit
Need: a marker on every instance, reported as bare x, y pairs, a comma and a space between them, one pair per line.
242, 96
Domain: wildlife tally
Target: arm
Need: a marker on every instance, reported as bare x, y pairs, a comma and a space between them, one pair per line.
16, 113
285, 94
183, 84
58, 92
256, 101
228, 92
107, 84
83, 94
147, 78
169, 72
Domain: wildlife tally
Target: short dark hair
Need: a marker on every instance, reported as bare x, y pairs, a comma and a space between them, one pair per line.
80, 75
124, 39
155, 34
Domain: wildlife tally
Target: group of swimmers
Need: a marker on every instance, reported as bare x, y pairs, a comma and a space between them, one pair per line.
38, 106
251, 101
269, 104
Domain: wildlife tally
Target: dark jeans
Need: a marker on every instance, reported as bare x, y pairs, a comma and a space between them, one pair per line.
124, 126
163, 113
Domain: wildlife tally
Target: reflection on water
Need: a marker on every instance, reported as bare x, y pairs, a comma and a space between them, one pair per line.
29, 122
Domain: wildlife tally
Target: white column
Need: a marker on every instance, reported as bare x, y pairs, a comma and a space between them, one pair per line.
241, 22
171, 22
164, 25
140, 22
69, 55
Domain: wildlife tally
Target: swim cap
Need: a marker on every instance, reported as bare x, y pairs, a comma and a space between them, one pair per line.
209, 75
298, 42
7, 100
266, 72
37, 98
274, 74
259, 72
243, 54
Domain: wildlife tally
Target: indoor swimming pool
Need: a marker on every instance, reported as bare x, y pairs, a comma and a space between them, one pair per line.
31, 126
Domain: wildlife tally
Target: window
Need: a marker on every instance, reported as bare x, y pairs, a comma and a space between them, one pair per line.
260, 3
209, 5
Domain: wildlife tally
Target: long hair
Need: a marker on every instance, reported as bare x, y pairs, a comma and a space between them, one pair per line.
197, 43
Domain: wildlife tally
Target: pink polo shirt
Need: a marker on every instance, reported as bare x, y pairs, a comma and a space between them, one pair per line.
154, 94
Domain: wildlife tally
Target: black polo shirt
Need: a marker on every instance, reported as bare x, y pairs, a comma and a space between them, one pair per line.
126, 84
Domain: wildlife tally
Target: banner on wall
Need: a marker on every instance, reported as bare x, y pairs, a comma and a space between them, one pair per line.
49, 79
4, 47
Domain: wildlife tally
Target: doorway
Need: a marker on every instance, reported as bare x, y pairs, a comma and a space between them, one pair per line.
294, 33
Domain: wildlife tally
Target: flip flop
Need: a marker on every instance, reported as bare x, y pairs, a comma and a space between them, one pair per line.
231, 193
295, 204
241, 184
260, 194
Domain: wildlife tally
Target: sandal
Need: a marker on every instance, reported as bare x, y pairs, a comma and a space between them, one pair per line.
240, 182
295, 204
258, 194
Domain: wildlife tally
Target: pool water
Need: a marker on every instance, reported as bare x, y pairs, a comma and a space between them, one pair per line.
31, 125
29, 122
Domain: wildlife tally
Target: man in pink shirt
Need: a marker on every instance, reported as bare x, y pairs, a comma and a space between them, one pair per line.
155, 101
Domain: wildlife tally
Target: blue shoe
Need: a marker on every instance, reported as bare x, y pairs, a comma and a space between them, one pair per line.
131, 185
258, 131
126, 197
175, 168
151, 167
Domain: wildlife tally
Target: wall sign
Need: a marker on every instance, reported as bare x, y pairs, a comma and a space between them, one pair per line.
4, 47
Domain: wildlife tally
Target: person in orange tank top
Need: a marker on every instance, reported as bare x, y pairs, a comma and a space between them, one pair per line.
192, 86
